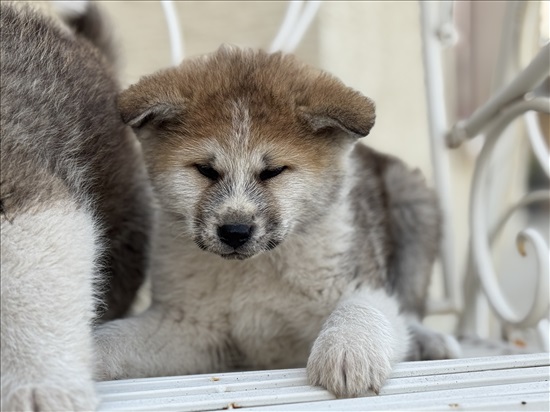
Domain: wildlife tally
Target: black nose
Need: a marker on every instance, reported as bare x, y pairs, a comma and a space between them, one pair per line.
234, 235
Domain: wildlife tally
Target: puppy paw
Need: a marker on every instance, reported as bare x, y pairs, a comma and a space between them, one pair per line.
345, 367
38, 398
427, 344
360, 342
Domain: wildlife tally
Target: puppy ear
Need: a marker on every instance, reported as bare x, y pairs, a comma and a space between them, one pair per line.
145, 105
331, 106
154, 115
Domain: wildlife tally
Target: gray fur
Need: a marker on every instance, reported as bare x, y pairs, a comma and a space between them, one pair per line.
399, 217
59, 120
334, 275
75, 207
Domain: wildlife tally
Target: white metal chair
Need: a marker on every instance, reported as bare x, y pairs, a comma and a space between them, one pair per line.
515, 98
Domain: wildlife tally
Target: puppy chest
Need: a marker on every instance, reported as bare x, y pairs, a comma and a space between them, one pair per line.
275, 323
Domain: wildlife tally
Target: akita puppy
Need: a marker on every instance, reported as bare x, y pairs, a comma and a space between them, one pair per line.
281, 241
75, 205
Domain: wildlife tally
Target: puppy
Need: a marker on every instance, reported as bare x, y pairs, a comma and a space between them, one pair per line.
74, 206
281, 241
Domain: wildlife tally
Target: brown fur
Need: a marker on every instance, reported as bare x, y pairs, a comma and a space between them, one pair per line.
336, 241
286, 111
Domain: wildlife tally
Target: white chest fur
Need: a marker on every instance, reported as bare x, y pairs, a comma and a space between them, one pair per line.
271, 306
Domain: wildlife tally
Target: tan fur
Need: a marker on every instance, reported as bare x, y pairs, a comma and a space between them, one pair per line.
288, 108
315, 280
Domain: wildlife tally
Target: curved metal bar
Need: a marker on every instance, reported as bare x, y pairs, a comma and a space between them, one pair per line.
540, 149
540, 305
541, 250
303, 23
176, 42
528, 199
525, 82
289, 21
468, 323
478, 227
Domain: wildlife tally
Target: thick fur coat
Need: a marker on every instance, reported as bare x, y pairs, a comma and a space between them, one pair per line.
281, 242
75, 206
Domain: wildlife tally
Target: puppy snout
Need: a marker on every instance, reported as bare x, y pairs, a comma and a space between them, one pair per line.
235, 235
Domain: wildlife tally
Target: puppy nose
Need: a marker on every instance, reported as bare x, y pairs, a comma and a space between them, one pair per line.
234, 235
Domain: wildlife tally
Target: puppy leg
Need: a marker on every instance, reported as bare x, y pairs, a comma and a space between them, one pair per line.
161, 341
358, 345
47, 269
427, 344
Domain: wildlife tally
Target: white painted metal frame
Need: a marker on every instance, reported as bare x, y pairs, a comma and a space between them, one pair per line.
499, 383
479, 227
513, 100
437, 32
298, 18
174, 31
295, 24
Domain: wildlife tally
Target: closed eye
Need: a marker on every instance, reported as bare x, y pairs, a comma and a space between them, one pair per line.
271, 173
208, 171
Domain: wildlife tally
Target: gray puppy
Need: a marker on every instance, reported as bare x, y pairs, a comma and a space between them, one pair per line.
75, 206
282, 242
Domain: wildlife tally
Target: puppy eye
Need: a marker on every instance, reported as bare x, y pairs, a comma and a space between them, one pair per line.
271, 173
208, 171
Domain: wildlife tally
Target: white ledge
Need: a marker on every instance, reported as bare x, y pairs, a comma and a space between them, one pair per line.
517, 382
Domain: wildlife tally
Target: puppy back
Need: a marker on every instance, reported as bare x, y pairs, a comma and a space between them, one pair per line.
399, 216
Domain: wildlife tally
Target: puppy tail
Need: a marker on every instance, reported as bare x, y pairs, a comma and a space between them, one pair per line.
87, 20
415, 226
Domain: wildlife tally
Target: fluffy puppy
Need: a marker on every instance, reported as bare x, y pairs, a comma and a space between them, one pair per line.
281, 241
74, 206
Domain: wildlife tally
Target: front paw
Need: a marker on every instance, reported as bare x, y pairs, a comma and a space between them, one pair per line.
38, 398
347, 366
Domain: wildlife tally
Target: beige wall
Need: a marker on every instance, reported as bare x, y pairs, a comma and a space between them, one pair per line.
375, 47
143, 34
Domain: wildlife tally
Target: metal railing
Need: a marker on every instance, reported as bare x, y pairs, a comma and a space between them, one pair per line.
521, 96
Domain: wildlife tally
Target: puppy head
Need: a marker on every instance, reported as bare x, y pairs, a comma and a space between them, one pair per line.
245, 147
